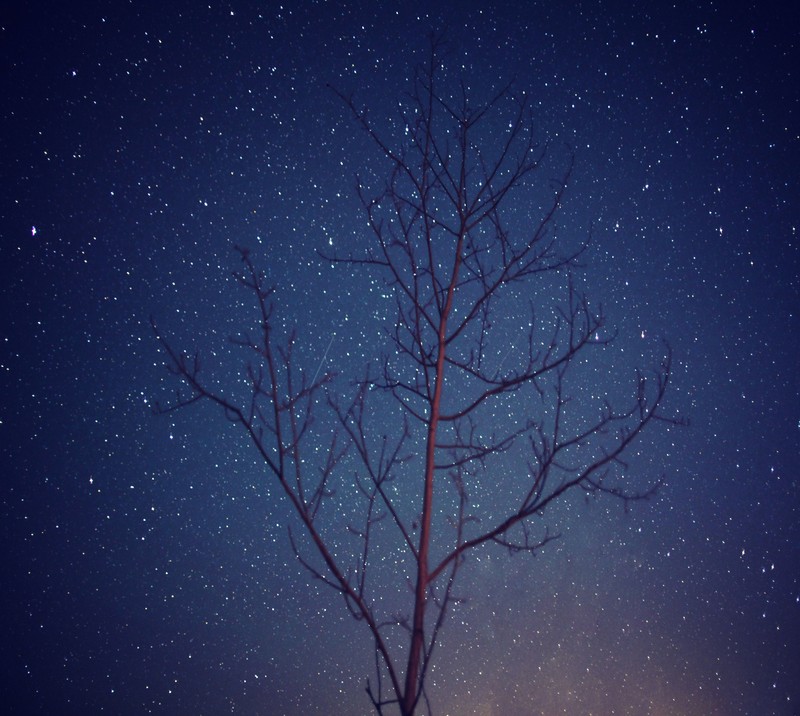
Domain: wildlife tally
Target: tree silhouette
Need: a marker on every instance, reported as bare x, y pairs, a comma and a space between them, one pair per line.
442, 240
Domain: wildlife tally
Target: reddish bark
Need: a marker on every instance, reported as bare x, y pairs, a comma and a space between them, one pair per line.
442, 192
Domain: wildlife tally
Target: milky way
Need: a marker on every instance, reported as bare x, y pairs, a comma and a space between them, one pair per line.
147, 565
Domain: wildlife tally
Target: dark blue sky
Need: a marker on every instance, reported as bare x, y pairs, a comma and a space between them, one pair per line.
147, 568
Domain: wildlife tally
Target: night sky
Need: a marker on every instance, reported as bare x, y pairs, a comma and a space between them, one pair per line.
146, 564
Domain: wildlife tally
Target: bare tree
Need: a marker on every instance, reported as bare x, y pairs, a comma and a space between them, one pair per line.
441, 238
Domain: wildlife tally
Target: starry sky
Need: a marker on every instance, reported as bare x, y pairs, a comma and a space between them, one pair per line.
146, 566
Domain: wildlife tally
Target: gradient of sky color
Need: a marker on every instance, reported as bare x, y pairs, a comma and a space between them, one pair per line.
147, 568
